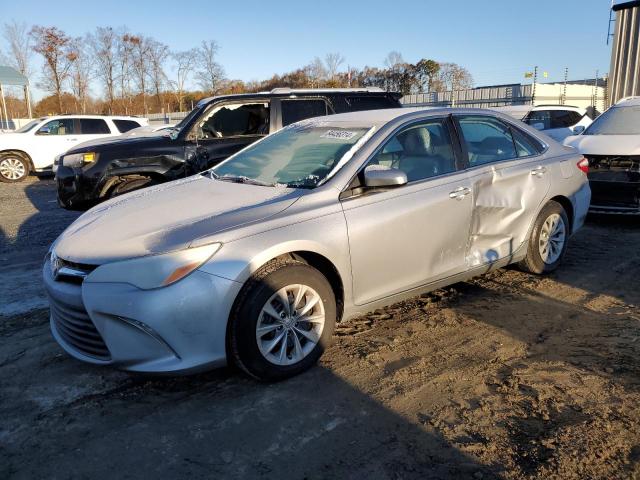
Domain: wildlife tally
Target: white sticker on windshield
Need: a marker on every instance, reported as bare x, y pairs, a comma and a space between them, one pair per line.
338, 134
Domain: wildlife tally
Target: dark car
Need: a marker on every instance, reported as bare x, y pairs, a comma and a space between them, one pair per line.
215, 129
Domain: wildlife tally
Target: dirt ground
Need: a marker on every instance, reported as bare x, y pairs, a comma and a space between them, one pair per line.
506, 376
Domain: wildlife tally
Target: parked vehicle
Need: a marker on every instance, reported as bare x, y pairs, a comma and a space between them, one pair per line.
557, 121
34, 147
217, 128
255, 260
612, 145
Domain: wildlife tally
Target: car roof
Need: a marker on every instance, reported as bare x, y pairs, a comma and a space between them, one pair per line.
73, 115
383, 116
289, 92
628, 102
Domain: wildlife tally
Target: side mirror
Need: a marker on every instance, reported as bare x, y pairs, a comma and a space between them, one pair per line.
578, 129
44, 131
379, 176
538, 126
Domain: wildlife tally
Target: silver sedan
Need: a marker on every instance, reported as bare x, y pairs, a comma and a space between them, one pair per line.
254, 261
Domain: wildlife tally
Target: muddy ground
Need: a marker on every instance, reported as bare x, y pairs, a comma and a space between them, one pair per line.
507, 376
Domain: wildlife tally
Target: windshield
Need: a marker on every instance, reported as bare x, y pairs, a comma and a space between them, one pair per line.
29, 126
299, 156
180, 125
616, 121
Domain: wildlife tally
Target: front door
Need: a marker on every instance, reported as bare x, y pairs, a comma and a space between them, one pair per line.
510, 179
224, 129
411, 235
52, 139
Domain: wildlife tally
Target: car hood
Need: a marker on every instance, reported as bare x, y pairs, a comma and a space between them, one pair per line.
167, 217
605, 144
122, 141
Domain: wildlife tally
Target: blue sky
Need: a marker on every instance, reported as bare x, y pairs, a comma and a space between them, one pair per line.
497, 40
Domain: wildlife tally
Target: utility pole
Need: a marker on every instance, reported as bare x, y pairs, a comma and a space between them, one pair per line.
533, 85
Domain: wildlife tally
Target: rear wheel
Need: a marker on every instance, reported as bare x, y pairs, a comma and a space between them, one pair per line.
282, 320
13, 168
549, 240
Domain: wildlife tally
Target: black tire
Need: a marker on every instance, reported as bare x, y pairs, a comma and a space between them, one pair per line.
534, 262
8, 164
243, 347
131, 184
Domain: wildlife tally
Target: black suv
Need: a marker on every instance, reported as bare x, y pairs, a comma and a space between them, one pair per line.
217, 128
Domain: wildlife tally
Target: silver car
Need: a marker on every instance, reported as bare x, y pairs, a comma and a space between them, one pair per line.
254, 261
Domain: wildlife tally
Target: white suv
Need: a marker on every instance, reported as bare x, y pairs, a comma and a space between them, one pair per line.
34, 147
557, 121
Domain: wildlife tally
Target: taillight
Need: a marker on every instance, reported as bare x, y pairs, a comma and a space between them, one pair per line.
583, 165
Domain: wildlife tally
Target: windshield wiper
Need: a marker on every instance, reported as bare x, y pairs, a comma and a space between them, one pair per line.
241, 179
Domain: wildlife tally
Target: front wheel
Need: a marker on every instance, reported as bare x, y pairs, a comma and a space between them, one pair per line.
282, 320
549, 240
13, 168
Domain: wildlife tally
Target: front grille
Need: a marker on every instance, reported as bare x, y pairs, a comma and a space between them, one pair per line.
76, 329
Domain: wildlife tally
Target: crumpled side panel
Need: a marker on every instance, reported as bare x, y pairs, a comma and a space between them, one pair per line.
505, 201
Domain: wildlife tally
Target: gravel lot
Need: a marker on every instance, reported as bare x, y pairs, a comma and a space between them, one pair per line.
507, 376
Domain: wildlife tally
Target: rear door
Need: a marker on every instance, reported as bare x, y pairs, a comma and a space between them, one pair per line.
224, 129
92, 129
411, 235
510, 180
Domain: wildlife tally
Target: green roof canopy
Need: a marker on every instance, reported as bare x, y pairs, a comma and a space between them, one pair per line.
10, 76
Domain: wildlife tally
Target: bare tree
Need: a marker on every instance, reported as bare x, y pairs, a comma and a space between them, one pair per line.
81, 72
20, 52
317, 72
333, 62
210, 72
158, 54
54, 45
104, 47
184, 62
125, 54
393, 59
140, 65
452, 76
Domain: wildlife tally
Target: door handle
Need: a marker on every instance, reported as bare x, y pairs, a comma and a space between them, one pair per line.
539, 171
459, 193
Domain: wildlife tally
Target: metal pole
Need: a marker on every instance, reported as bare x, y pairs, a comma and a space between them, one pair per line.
28, 90
533, 85
564, 89
4, 106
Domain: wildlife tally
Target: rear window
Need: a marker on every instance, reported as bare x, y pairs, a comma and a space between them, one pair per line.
93, 126
357, 103
125, 125
296, 110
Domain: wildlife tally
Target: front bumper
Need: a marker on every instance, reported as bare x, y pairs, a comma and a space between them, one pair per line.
176, 329
74, 190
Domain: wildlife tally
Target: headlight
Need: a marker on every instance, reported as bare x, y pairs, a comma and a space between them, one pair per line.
154, 271
78, 159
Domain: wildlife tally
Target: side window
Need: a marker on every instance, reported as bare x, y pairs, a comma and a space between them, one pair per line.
539, 119
296, 110
421, 151
63, 126
233, 120
125, 125
487, 140
525, 146
93, 126
564, 118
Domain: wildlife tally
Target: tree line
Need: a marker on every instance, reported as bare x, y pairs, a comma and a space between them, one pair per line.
138, 74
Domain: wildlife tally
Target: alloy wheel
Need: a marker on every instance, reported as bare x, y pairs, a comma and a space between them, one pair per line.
12, 168
553, 235
290, 324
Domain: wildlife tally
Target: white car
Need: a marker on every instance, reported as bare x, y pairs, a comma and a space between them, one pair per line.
557, 121
34, 147
612, 146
